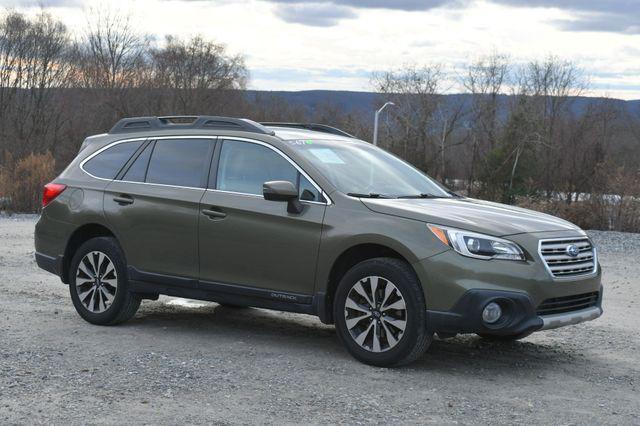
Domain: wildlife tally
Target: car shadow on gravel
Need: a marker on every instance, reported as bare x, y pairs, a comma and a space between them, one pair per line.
470, 352
210, 322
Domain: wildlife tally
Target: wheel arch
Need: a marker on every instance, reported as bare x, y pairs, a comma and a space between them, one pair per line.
78, 237
348, 258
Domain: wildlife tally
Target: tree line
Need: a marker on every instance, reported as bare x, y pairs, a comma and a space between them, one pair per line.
519, 134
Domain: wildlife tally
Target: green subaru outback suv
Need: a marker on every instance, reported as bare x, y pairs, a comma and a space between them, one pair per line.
307, 219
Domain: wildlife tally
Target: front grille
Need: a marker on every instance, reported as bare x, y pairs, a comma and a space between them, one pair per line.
561, 264
559, 305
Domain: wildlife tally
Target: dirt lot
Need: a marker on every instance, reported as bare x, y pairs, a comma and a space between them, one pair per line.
192, 362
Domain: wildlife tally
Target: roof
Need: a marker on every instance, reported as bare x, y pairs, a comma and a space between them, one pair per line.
286, 133
197, 125
309, 126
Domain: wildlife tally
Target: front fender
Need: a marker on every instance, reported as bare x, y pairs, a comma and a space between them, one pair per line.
347, 227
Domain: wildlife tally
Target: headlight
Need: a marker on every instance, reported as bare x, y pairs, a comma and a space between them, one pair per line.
475, 245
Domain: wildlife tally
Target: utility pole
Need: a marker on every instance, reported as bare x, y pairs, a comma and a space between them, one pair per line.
375, 122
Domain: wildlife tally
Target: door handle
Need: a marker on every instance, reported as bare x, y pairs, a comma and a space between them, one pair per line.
123, 200
214, 214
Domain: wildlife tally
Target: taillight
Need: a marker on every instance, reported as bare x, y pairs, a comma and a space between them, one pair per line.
51, 191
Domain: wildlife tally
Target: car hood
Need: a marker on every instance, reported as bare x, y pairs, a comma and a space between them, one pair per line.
471, 214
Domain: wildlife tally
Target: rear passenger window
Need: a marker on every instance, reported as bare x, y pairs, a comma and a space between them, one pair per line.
180, 162
138, 170
109, 162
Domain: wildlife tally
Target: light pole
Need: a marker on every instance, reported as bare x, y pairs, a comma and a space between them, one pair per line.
375, 122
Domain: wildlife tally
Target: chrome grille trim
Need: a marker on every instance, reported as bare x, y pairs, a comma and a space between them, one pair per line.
561, 266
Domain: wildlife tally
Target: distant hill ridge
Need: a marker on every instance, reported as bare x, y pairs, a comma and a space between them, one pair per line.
364, 102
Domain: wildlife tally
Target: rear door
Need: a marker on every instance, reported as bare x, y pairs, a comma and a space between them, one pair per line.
252, 242
153, 205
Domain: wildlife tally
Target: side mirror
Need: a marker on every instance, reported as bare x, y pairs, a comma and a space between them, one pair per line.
282, 190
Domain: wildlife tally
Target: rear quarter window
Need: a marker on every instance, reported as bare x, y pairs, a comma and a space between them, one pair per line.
109, 162
138, 169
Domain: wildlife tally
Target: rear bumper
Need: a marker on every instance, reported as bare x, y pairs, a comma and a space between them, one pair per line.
49, 263
519, 315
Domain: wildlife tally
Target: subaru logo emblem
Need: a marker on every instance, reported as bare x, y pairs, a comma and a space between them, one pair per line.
572, 250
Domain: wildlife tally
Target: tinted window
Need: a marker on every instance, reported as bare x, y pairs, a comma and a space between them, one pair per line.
358, 167
138, 169
308, 192
245, 166
108, 163
180, 162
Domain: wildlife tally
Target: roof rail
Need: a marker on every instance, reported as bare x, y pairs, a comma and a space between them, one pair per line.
202, 122
311, 126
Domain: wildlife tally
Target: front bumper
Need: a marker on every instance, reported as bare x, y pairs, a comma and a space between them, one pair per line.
576, 317
519, 315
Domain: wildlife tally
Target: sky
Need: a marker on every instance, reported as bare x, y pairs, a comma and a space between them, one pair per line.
339, 44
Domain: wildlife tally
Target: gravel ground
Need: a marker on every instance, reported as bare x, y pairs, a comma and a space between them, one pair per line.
190, 362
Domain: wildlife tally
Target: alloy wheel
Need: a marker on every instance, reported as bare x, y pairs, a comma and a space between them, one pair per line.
376, 314
96, 282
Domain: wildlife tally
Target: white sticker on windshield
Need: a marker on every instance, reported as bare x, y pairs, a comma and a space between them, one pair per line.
326, 155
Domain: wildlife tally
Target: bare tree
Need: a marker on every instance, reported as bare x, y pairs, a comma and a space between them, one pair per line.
34, 64
550, 88
196, 73
113, 56
415, 92
485, 80
14, 33
272, 107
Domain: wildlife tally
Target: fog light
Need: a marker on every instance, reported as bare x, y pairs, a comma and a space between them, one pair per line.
491, 313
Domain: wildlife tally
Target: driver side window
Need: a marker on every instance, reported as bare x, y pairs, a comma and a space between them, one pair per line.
245, 166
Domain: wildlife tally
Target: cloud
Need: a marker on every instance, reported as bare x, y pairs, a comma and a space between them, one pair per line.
313, 14
617, 16
326, 13
310, 73
408, 5
614, 16
614, 6
602, 22
40, 3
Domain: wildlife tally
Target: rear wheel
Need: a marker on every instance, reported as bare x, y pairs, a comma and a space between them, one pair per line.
98, 283
380, 313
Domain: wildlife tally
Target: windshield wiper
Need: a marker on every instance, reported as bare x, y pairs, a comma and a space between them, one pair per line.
369, 195
422, 196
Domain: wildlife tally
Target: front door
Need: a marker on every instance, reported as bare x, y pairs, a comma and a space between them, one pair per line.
154, 206
248, 241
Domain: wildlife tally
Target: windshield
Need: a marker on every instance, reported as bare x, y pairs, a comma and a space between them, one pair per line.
361, 169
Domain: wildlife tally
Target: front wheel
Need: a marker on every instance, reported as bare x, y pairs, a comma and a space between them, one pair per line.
98, 283
380, 313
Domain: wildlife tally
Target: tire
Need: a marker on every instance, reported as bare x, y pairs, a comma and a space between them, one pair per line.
106, 300
396, 280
